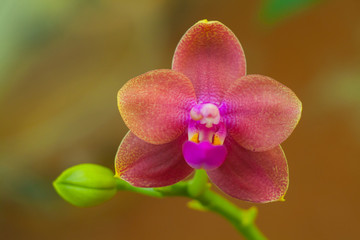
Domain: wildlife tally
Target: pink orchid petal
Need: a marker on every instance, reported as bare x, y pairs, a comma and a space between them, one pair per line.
260, 113
252, 176
210, 55
146, 165
155, 106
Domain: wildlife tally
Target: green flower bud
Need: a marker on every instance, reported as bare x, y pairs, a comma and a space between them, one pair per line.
86, 185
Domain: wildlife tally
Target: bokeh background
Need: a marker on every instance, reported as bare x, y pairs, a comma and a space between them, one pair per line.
62, 63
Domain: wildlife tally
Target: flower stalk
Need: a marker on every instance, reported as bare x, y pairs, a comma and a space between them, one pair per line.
204, 199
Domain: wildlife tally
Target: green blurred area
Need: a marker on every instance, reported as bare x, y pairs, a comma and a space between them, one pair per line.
62, 63
273, 11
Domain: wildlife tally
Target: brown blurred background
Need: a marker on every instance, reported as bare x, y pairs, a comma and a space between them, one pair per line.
62, 63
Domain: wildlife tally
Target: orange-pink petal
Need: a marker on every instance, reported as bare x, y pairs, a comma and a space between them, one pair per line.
210, 55
147, 165
260, 113
156, 105
252, 176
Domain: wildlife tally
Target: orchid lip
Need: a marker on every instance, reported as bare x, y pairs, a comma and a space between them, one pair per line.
204, 155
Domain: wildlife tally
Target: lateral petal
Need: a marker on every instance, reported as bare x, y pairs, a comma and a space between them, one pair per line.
260, 113
156, 105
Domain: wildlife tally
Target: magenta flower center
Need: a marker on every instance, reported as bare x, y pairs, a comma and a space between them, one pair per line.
206, 134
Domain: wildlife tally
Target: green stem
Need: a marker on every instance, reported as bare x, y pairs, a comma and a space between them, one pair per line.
204, 199
199, 184
121, 185
243, 220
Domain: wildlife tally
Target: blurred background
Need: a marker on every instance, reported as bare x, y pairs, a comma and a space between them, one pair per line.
62, 63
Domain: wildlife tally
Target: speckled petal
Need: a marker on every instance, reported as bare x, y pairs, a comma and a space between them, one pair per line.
155, 106
147, 165
260, 113
252, 176
210, 55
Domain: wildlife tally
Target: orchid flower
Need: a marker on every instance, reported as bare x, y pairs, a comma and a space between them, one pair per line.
206, 113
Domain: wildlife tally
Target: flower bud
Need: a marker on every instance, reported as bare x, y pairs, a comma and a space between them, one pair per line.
86, 185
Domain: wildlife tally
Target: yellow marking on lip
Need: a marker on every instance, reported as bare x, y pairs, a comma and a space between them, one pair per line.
195, 138
216, 140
